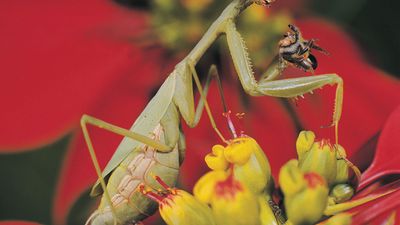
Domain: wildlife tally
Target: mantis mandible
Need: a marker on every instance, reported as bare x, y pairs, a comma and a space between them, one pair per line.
140, 156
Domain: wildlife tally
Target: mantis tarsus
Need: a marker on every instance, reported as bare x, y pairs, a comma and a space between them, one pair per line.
128, 167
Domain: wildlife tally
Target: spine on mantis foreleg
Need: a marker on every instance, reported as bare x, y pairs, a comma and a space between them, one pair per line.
240, 57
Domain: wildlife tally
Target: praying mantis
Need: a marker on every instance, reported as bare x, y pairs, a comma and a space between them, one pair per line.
155, 144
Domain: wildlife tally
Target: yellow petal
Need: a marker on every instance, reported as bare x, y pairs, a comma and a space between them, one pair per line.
304, 142
183, 208
204, 189
256, 172
235, 204
291, 178
239, 150
216, 160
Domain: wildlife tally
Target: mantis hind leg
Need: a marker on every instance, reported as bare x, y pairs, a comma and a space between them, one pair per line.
118, 130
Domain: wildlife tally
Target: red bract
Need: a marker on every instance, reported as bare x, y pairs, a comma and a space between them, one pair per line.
57, 59
386, 160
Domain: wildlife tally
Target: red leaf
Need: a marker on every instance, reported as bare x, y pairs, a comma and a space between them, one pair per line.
120, 107
379, 207
386, 160
56, 59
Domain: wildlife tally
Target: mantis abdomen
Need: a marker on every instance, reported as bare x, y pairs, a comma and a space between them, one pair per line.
137, 169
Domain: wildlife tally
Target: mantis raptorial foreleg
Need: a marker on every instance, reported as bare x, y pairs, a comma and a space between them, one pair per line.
287, 88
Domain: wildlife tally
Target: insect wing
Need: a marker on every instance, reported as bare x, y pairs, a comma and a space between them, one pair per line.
145, 124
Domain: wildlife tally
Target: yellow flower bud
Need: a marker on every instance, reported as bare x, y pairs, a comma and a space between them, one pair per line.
340, 152
182, 208
342, 192
255, 173
321, 159
342, 172
308, 205
306, 194
234, 204
204, 189
239, 150
304, 143
179, 207
291, 179
216, 160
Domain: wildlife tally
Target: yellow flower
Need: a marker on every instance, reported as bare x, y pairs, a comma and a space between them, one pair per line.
204, 189
318, 157
179, 207
231, 201
234, 204
255, 172
239, 150
342, 171
291, 178
182, 208
304, 143
306, 194
216, 160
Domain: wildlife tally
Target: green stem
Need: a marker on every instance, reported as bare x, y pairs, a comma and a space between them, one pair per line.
216, 29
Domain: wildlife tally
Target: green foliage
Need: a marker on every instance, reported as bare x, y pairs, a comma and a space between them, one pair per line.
28, 182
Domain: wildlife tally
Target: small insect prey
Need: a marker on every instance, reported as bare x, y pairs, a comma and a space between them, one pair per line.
296, 51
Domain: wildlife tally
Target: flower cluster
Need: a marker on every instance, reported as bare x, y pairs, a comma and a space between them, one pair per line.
236, 191
240, 190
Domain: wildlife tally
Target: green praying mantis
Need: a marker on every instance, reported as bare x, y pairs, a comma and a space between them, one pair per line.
155, 144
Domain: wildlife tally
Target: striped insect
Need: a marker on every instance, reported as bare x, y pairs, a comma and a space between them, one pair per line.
297, 51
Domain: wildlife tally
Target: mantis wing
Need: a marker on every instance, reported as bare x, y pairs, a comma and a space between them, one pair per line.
145, 124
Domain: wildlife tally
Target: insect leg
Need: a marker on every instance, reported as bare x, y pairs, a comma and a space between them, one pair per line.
213, 70
293, 87
86, 119
118, 130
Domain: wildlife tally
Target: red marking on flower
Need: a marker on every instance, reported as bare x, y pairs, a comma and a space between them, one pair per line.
229, 187
314, 180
